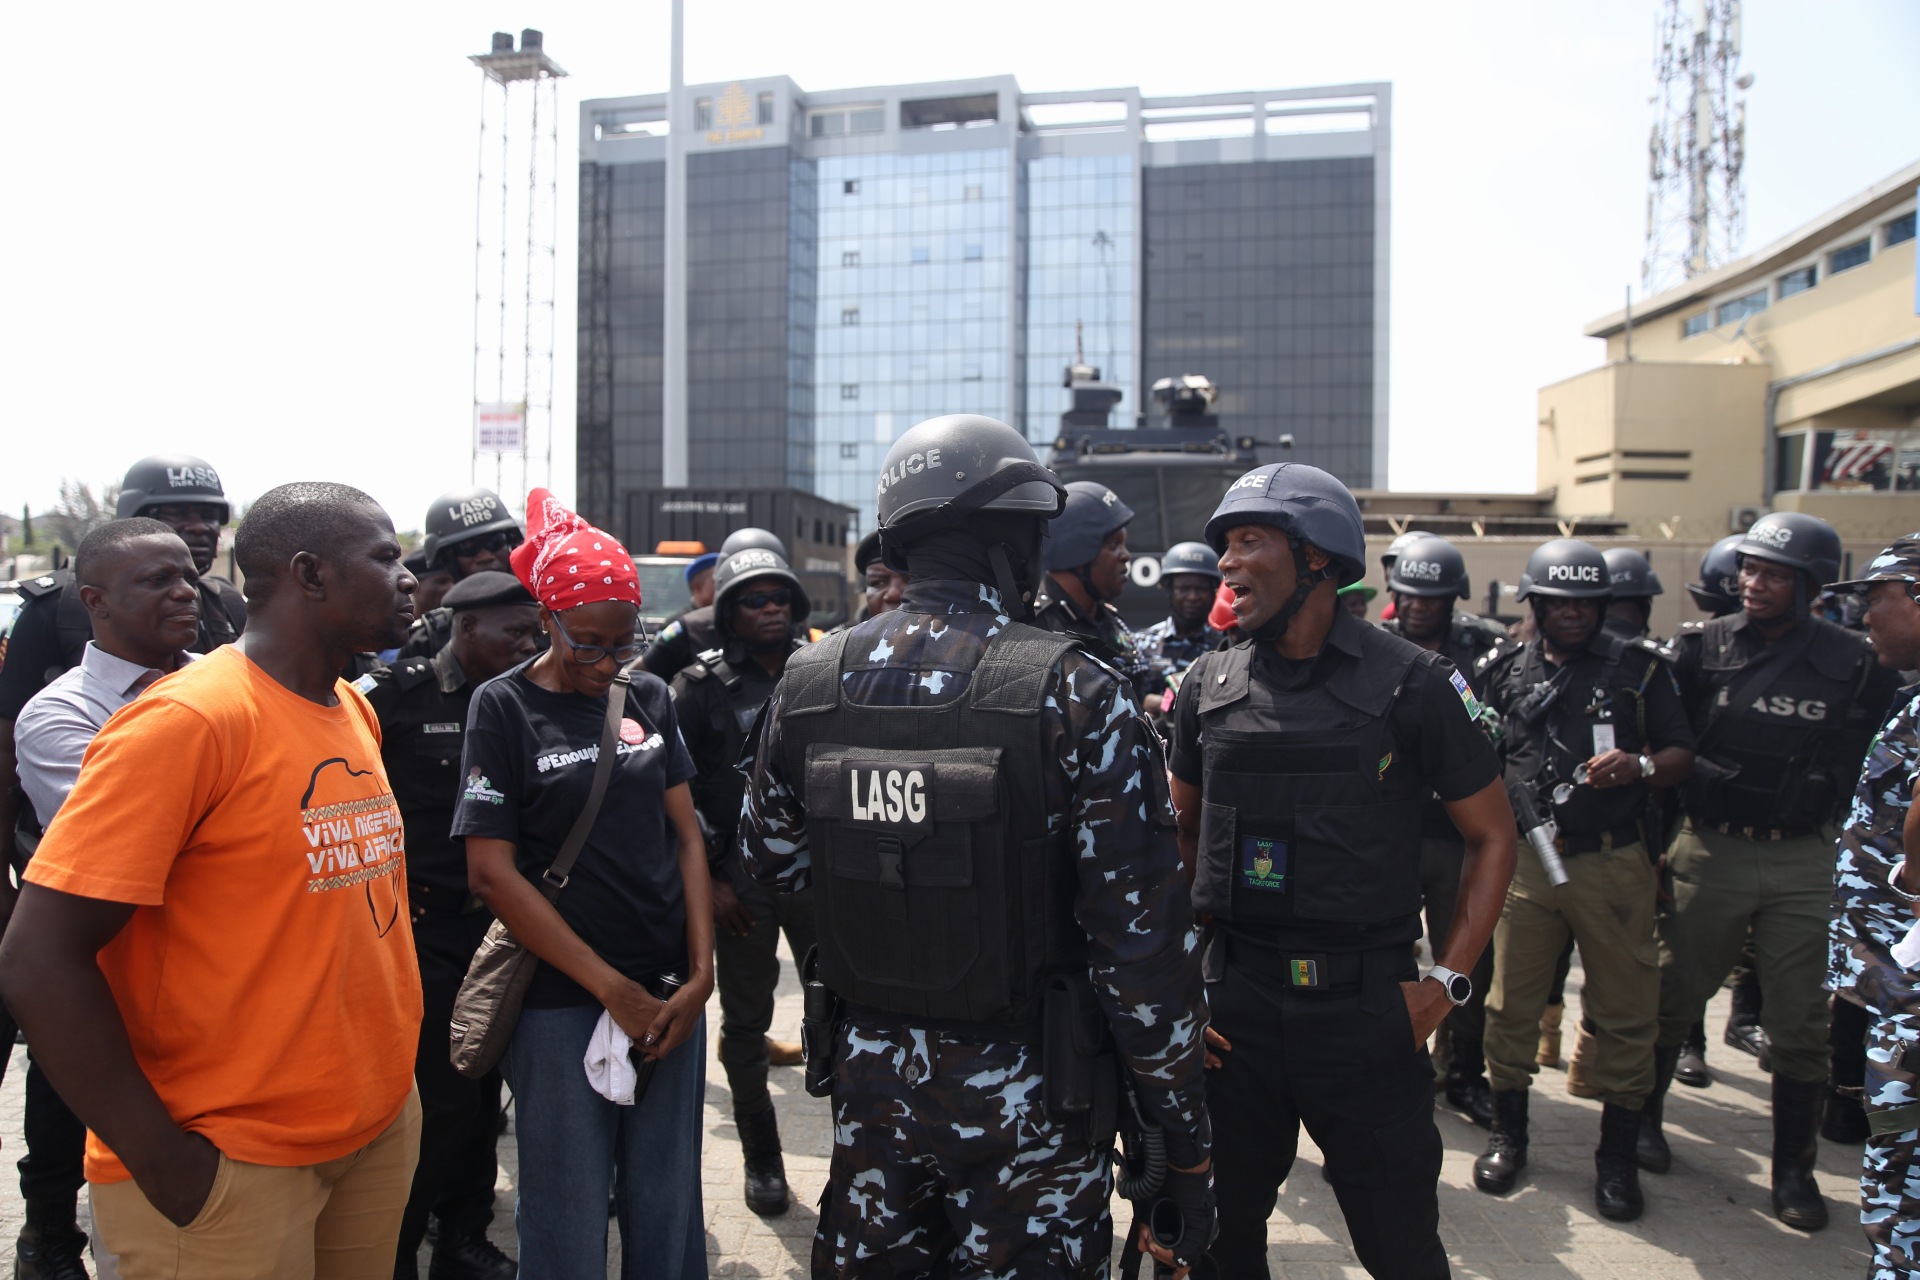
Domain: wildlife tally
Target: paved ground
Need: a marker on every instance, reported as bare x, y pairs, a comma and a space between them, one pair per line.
1708, 1218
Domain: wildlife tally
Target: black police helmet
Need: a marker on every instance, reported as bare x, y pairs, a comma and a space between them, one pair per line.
1429, 565
1718, 591
1092, 513
1190, 557
1796, 540
1302, 502
867, 552
750, 537
1631, 574
1566, 568
170, 477
459, 515
748, 565
1399, 544
961, 463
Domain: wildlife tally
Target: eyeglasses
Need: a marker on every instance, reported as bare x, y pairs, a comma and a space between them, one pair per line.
494, 542
588, 655
761, 599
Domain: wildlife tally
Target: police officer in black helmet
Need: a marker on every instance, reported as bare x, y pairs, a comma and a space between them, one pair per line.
1784, 704
1087, 561
757, 603
1300, 758
980, 810
1590, 721
677, 644
1718, 592
469, 531
1428, 578
49, 636
1635, 584
1190, 572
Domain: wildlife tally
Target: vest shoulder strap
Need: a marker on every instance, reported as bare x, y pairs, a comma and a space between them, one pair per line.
1012, 675
810, 684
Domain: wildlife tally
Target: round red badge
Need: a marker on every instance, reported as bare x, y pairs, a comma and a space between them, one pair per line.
632, 732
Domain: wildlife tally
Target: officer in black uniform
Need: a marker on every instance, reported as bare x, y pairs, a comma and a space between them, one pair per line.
1783, 705
1300, 758
1718, 592
882, 585
1429, 576
1087, 561
422, 705
469, 531
757, 603
1190, 572
49, 636
980, 809
1590, 722
435, 581
677, 644
1634, 584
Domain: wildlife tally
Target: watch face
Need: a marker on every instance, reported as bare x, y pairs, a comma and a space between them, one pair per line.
1459, 988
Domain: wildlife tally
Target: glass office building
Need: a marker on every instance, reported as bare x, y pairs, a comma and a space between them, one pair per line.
859, 260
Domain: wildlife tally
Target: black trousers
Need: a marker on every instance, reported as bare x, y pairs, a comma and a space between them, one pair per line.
458, 1117
54, 1168
1440, 863
1342, 1061
747, 970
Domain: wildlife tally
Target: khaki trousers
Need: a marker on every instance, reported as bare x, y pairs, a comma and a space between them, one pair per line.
1724, 886
334, 1221
1607, 908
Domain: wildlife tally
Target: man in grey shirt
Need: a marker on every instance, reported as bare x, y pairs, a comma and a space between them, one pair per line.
139, 587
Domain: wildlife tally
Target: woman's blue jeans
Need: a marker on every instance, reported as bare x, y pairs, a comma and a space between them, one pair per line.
572, 1143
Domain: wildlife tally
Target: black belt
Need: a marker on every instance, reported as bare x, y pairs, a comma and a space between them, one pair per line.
1313, 970
1605, 842
1760, 833
433, 900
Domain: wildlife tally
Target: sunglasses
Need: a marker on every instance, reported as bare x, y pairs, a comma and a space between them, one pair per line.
588, 655
761, 599
494, 542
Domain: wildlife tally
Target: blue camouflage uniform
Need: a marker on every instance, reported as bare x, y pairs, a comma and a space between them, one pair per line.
1168, 654
1868, 919
943, 1155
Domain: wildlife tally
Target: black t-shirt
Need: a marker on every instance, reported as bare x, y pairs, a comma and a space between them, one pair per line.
528, 766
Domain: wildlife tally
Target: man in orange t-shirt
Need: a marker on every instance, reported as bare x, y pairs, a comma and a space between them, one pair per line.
212, 954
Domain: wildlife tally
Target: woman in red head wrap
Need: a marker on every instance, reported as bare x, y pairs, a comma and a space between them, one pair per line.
626, 948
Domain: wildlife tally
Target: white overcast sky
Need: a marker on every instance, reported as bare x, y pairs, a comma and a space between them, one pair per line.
245, 231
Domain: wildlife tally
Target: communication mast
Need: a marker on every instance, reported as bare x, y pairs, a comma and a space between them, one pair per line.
1696, 201
515, 260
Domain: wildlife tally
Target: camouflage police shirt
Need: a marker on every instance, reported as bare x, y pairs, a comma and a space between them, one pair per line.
1167, 653
1132, 900
1867, 917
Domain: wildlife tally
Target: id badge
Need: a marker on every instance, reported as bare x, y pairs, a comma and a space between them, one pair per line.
1602, 739
1263, 864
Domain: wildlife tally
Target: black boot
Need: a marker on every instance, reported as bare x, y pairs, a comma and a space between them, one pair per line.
1847, 1035
1616, 1183
1796, 1145
1846, 1119
1743, 1021
1691, 1070
472, 1257
51, 1244
766, 1172
1506, 1154
1470, 1094
1650, 1150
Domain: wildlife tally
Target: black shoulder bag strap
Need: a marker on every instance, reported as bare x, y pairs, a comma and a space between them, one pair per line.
555, 877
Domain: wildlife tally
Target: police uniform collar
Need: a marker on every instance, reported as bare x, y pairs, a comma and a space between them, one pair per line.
448, 671
949, 595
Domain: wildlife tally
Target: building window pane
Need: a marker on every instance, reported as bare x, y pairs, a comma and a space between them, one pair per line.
849, 453
703, 113
1693, 325
764, 114
827, 124
1849, 256
973, 192
1796, 282
1899, 231
866, 120
1740, 308
849, 391
973, 253
969, 373
1790, 460
851, 187
850, 258
918, 254
1866, 461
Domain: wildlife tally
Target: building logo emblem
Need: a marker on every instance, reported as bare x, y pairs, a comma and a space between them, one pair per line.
733, 117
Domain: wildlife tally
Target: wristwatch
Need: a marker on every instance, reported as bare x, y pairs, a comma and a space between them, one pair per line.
1646, 765
1458, 986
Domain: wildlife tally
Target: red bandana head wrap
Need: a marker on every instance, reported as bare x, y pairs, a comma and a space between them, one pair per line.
566, 562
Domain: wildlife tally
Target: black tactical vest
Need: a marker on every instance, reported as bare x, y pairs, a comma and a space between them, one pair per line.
1297, 822
1777, 731
939, 892
745, 697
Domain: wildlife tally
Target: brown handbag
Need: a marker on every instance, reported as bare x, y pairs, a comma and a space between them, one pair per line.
488, 1005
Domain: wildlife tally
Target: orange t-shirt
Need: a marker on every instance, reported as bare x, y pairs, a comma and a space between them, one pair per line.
267, 979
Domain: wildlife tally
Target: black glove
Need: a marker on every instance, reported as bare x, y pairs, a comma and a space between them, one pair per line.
1184, 1219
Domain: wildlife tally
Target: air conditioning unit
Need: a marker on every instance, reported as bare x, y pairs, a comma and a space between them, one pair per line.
1740, 519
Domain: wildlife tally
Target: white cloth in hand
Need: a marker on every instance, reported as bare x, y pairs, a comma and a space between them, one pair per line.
1906, 952
609, 1062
